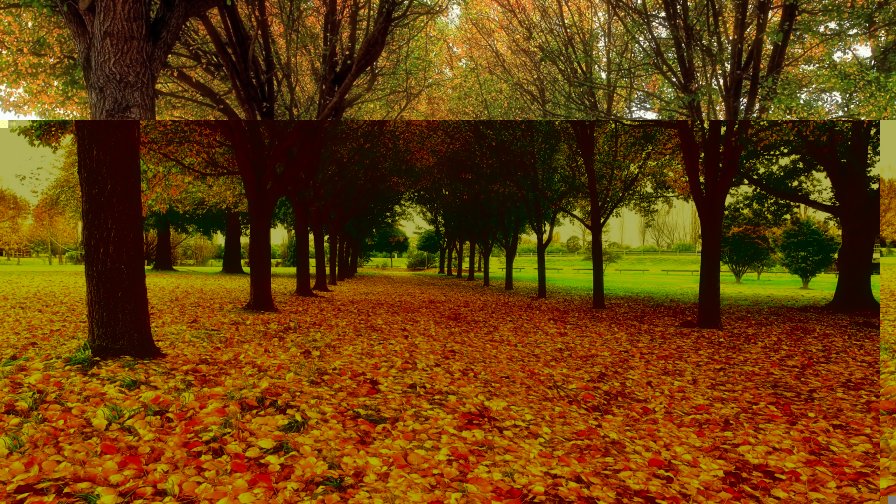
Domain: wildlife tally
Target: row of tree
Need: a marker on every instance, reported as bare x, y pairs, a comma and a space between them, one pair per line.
478, 59
479, 184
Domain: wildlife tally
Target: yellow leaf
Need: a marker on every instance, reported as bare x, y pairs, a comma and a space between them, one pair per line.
266, 444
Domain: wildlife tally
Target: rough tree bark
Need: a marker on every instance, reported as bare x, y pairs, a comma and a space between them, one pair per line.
509, 256
261, 297
109, 177
460, 259
471, 271
450, 259
232, 262
333, 240
342, 268
303, 256
164, 260
320, 258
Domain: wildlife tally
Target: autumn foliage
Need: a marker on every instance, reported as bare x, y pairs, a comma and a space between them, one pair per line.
417, 388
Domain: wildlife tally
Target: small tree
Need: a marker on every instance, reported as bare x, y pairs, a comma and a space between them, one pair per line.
391, 240
806, 250
429, 242
573, 244
610, 256
745, 248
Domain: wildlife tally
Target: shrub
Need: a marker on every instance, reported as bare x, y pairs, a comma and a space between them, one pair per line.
745, 248
684, 247
417, 260
573, 244
806, 250
74, 257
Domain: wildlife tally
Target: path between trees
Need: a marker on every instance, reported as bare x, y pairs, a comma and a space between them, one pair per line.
419, 388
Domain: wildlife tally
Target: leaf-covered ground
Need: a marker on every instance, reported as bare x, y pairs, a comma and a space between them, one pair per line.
408, 388
888, 381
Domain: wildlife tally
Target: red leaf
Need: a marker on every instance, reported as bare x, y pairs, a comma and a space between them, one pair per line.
108, 448
133, 460
193, 444
238, 466
262, 479
656, 462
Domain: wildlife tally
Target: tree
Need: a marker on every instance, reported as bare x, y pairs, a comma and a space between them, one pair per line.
53, 227
888, 209
392, 240
745, 248
844, 152
430, 242
719, 65
534, 150
806, 250
109, 173
14, 211
573, 244
623, 166
552, 58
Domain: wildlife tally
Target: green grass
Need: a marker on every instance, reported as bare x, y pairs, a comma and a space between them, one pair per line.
775, 287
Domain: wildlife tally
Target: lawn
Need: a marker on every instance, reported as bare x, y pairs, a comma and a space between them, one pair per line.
572, 274
417, 388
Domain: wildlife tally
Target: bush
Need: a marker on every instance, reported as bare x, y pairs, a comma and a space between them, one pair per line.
806, 250
573, 244
745, 248
684, 247
74, 257
197, 249
417, 260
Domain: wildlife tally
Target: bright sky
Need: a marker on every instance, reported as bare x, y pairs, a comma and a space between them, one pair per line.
888, 149
25, 169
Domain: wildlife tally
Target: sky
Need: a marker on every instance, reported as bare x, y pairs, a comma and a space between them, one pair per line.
25, 169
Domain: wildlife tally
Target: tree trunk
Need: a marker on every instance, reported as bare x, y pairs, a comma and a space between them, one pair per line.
709, 307
353, 261
471, 273
542, 265
303, 259
109, 176
441, 260
598, 298
333, 240
120, 38
343, 258
164, 260
509, 256
805, 282
479, 261
320, 259
450, 260
260, 295
486, 254
232, 262
460, 259
860, 224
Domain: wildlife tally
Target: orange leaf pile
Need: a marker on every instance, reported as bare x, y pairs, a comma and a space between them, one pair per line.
412, 388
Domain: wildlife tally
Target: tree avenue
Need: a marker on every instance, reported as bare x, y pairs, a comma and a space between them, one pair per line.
706, 70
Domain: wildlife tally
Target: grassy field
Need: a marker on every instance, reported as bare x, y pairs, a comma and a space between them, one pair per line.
572, 276
409, 387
